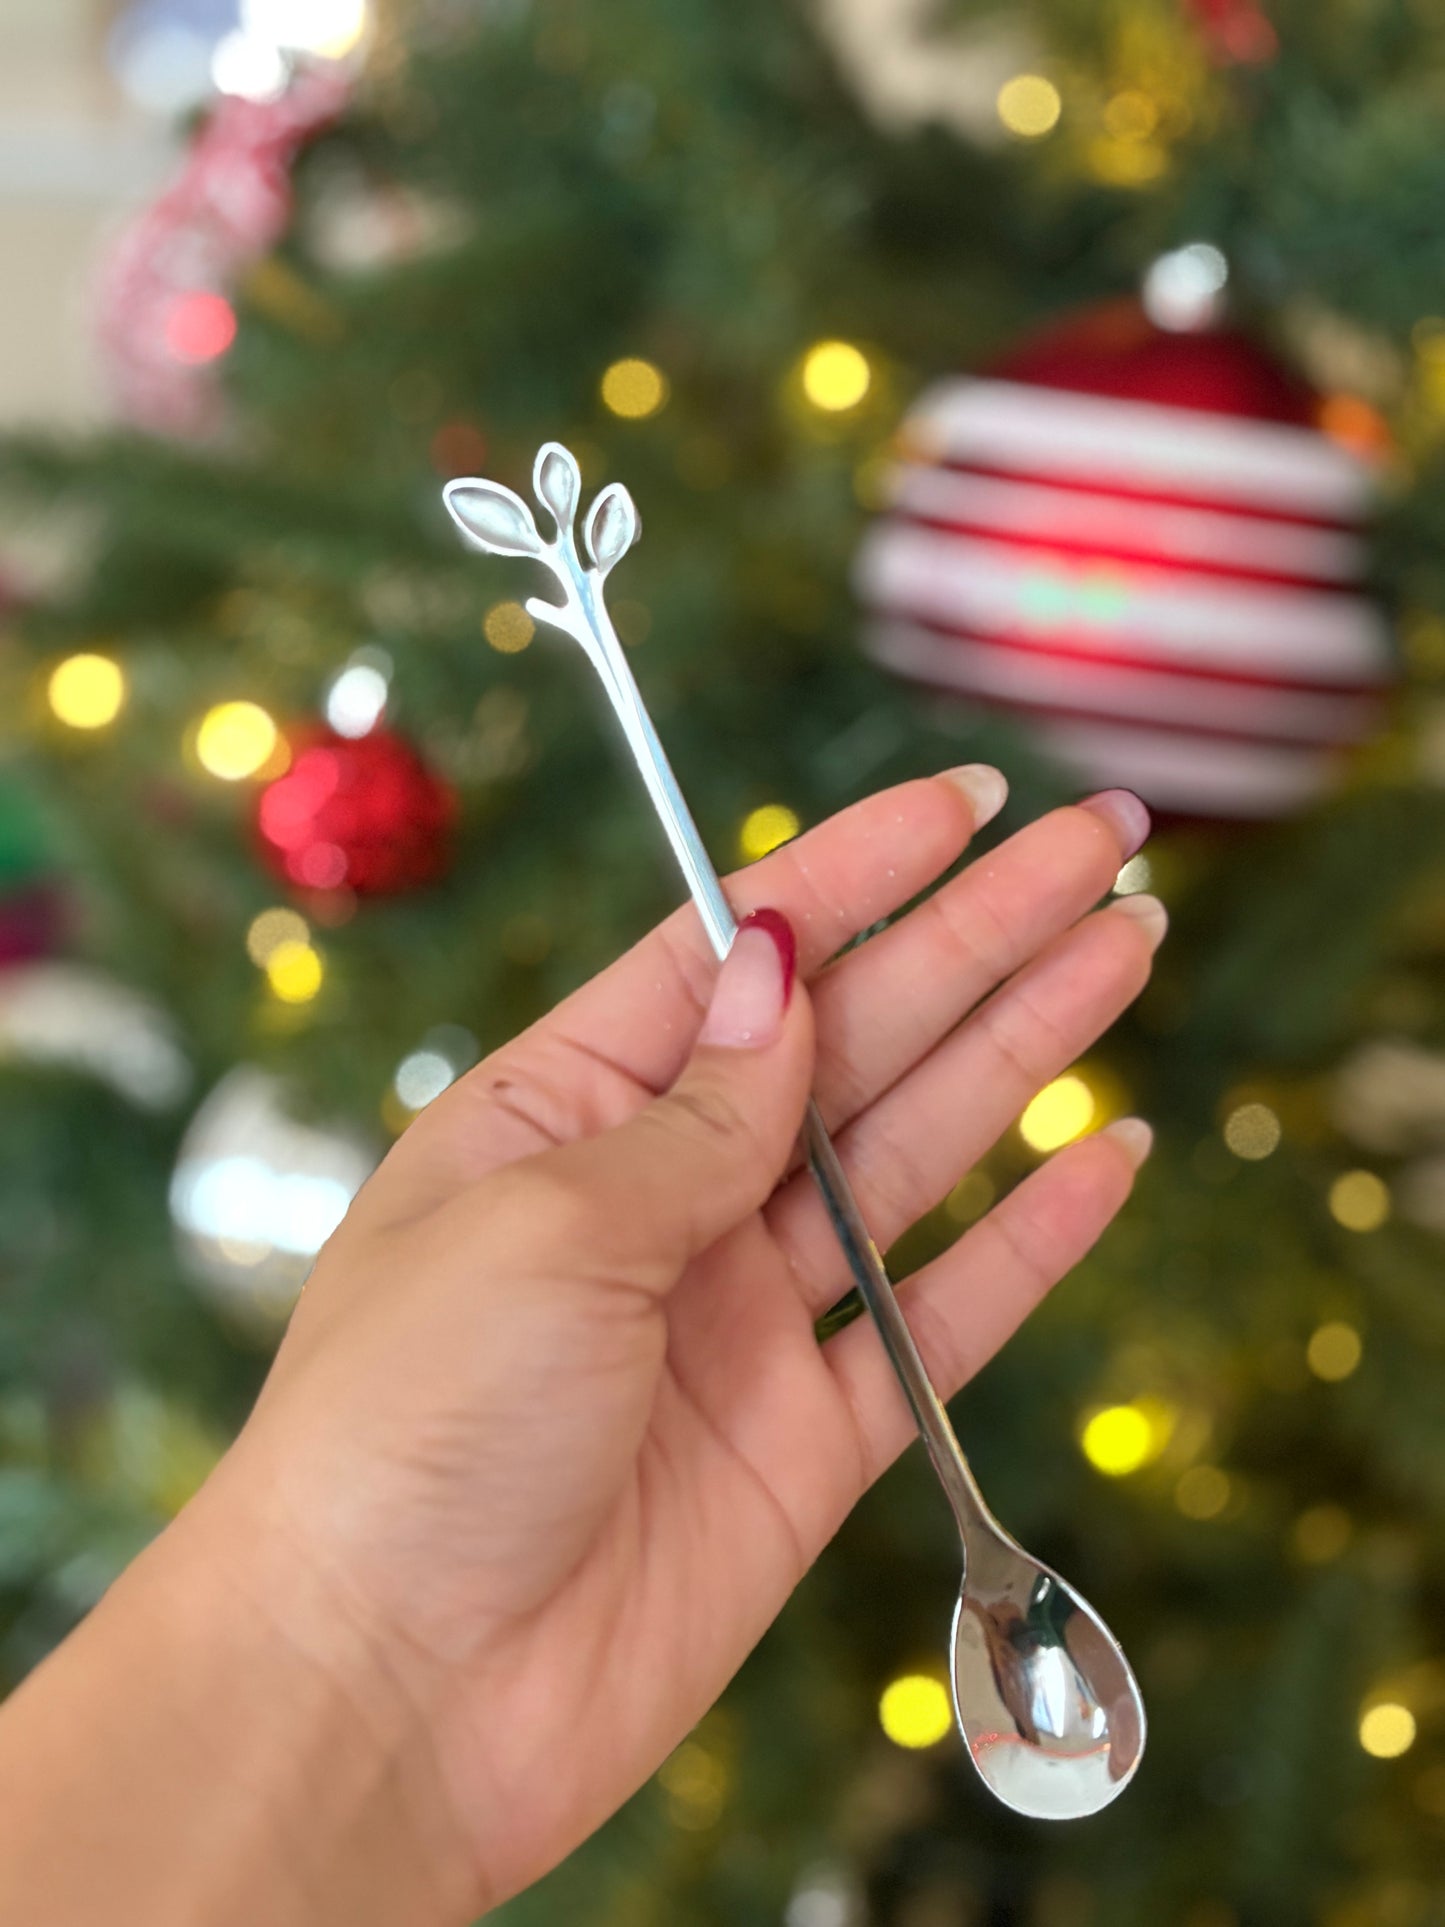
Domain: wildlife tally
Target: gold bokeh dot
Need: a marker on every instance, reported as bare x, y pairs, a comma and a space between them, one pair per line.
1359, 1201
634, 388
1062, 1111
836, 376
1029, 105
1387, 1730
1320, 1534
1117, 1440
1252, 1131
1334, 1351
270, 930
235, 740
915, 1711
86, 691
1203, 1492
766, 828
294, 972
508, 628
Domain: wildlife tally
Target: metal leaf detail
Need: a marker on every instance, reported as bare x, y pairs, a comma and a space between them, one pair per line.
494, 517
558, 482
613, 525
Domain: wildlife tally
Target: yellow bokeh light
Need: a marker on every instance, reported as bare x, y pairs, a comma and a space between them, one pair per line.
1126, 163
836, 376
1131, 115
1334, 1351
1252, 1131
235, 740
1387, 1730
1359, 1201
1202, 1492
1029, 106
294, 972
1118, 1440
1061, 1112
86, 691
765, 829
270, 930
634, 388
915, 1710
1320, 1534
508, 628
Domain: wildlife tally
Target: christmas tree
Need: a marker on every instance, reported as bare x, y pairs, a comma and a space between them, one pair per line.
296, 822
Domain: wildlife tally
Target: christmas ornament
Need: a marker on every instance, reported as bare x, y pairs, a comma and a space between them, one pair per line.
361, 813
76, 1018
165, 311
255, 1195
1043, 1696
1136, 540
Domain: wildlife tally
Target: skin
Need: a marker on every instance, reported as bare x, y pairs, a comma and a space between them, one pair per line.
550, 1439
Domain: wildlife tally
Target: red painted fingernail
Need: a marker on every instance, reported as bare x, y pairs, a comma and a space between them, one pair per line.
1126, 814
753, 987
783, 935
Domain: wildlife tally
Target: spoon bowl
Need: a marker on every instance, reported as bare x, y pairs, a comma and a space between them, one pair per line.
1044, 1698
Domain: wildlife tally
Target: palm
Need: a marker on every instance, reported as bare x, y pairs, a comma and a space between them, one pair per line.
692, 1454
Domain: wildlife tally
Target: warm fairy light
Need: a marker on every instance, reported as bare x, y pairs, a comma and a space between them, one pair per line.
1320, 1534
1029, 105
1334, 1351
1359, 1201
200, 327
694, 1780
1387, 1730
235, 740
508, 628
1202, 1492
765, 829
294, 972
1131, 115
1118, 1440
270, 930
1061, 1112
86, 692
330, 28
1252, 1131
634, 388
1136, 875
915, 1710
836, 376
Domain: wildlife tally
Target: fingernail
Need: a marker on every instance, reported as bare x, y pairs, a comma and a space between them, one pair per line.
1134, 1135
754, 984
1125, 815
985, 787
1148, 912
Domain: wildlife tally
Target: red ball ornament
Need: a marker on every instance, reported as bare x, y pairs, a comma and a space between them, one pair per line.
1139, 542
361, 813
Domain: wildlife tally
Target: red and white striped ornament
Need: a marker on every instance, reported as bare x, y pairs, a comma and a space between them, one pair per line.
1138, 542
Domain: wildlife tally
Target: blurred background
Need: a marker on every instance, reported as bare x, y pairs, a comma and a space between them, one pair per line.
1061, 385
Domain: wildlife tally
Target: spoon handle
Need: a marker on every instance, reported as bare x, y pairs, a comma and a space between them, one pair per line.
870, 1274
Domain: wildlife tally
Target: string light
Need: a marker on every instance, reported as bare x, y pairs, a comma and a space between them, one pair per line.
1029, 106
1320, 1534
1117, 1440
294, 972
235, 740
421, 1077
1184, 289
1252, 1131
1387, 1730
508, 628
1061, 1112
200, 327
1359, 1201
356, 700
836, 376
330, 28
695, 1781
765, 829
86, 691
915, 1711
1202, 1492
634, 389
1334, 1351
272, 928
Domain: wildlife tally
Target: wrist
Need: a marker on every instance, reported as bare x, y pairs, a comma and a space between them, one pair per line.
220, 1743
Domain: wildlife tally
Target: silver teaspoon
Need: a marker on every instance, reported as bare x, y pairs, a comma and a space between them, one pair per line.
1044, 1698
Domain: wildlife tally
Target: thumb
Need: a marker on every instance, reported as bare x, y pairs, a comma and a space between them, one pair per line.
698, 1159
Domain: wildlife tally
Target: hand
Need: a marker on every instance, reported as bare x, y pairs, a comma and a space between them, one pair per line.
550, 1438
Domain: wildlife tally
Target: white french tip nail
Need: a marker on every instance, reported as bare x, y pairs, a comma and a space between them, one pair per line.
985, 787
1134, 1135
1148, 912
